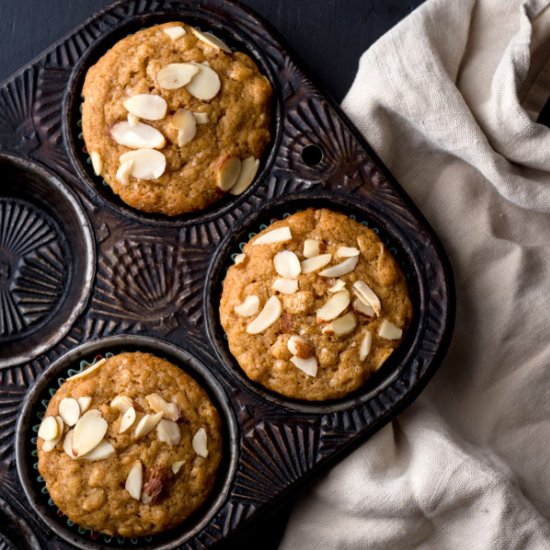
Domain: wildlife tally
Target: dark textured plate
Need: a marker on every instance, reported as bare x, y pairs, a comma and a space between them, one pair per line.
83, 274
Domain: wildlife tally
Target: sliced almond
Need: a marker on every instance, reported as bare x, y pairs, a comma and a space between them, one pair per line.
315, 263
147, 424
285, 286
205, 85
270, 313
186, 124
312, 247
174, 32
133, 120
49, 429
279, 235
363, 308
365, 347
343, 268
249, 169
147, 164
147, 106
211, 40
201, 118
101, 452
249, 307
141, 136
287, 264
89, 432
170, 411
84, 403
300, 347
337, 286
347, 252
128, 419
308, 366
177, 75
68, 444
97, 163
229, 172
335, 306
134, 481
121, 403
176, 467
200, 443
342, 326
389, 331
88, 371
124, 172
365, 293
168, 432
52, 443
69, 410
239, 259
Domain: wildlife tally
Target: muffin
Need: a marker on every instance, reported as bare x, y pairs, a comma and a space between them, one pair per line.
314, 305
173, 119
130, 446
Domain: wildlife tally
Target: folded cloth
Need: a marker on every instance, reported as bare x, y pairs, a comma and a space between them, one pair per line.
449, 99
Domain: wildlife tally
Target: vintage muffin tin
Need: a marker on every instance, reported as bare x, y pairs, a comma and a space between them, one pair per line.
83, 275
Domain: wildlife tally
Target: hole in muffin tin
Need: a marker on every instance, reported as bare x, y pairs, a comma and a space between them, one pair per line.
312, 155
36, 404
258, 222
72, 123
47, 260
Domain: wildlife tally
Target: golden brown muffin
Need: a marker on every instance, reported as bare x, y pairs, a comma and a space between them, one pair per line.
191, 160
136, 449
313, 313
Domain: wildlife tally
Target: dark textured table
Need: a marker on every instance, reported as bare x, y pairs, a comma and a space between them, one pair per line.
328, 35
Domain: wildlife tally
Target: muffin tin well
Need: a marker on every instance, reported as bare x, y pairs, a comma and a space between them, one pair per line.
112, 278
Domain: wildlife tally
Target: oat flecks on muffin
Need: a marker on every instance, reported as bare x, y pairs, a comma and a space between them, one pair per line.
130, 448
314, 305
187, 107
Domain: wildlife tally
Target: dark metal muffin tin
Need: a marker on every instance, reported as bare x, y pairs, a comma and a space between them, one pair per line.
83, 274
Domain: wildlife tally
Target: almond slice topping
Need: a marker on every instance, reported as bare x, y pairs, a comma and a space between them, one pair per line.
69, 410
201, 118
174, 32
141, 136
342, 326
88, 432
337, 286
211, 40
285, 286
49, 429
365, 347
347, 252
249, 169
88, 371
315, 263
205, 85
133, 120
97, 163
134, 481
170, 411
128, 419
300, 347
84, 403
124, 171
287, 264
121, 403
228, 173
307, 366
365, 293
239, 259
147, 106
312, 247
52, 443
249, 307
279, 235
199, 443
147, 164
389, 331
363, 308
270, 313
335, 306
68, 444
168, 432
177, 75
176, 467
147, 424
101, 452
343, 268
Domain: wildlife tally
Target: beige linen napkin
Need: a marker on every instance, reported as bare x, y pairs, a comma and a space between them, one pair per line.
449, 100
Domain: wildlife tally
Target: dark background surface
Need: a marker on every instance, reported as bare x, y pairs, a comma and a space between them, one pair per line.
328, 36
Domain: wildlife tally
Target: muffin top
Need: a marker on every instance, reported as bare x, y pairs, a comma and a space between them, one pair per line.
173, 119
130, 446
314, 305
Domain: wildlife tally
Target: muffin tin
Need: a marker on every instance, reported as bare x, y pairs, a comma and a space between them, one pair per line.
83, 275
